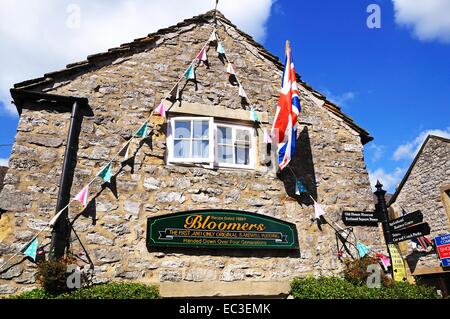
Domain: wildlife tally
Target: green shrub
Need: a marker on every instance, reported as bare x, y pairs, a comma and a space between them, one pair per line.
52, 275
103, 291
338, 288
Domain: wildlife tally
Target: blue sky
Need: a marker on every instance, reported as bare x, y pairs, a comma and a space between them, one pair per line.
393, 81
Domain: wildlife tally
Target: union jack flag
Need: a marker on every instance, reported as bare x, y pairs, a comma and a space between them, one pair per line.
284, 128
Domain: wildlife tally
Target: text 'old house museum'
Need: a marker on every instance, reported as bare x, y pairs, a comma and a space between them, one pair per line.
193, 205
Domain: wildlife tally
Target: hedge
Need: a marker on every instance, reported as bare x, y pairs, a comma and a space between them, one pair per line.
338, 288
103, 291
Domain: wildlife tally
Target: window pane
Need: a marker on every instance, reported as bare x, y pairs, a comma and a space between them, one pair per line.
225, 154
243, 135
224, 135
200, 149
242, 155
201, 129
182, 149
182, 129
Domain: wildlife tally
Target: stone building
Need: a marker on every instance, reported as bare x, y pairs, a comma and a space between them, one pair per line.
2, 176
122, 86
426, 187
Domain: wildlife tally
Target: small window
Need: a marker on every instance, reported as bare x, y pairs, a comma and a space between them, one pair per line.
191, 140
200, 140
234, 146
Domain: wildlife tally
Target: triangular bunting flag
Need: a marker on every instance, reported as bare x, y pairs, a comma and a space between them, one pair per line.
318, 210
106, 173
31, 249
213, 36
161, 109
254, 116
143, 131
242, 92
83, 196
190, 73
124, 152
267, 137
202, 55
55, 219
385, 261
175, 93
299, 187
230, 69
362, 249
220, 48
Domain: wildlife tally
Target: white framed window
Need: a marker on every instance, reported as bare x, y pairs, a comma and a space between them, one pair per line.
191, 140
235, 146
201, 140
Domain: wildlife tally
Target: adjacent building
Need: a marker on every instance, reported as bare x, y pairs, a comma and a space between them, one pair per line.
426, 187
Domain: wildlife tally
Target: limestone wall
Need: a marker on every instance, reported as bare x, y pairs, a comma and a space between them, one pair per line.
424, 190
121, 96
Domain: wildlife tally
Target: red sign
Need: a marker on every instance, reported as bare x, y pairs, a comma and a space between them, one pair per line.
444, 251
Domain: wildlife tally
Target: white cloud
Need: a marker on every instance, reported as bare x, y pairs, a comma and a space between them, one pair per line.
409, 150
36, 37
377, 151
340, 100
429, 19
4, 162
390, 180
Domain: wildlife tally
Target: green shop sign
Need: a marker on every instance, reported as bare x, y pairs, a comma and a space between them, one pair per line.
220, 229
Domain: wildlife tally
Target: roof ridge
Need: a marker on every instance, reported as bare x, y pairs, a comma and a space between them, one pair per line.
98, 60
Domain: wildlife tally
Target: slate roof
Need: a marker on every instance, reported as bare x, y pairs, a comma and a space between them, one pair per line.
99, 60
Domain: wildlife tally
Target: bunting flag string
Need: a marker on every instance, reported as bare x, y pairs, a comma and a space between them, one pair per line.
106, 173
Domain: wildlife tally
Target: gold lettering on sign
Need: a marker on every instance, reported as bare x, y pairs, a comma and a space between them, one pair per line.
201, 223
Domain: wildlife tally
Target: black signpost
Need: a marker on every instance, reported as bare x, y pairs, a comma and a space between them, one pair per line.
360, 219
406, 221
408, 233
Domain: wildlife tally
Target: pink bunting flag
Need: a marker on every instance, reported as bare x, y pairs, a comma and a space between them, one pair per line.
202, 55
319, 210
161, 110
83, 196
267, 137
230, 69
